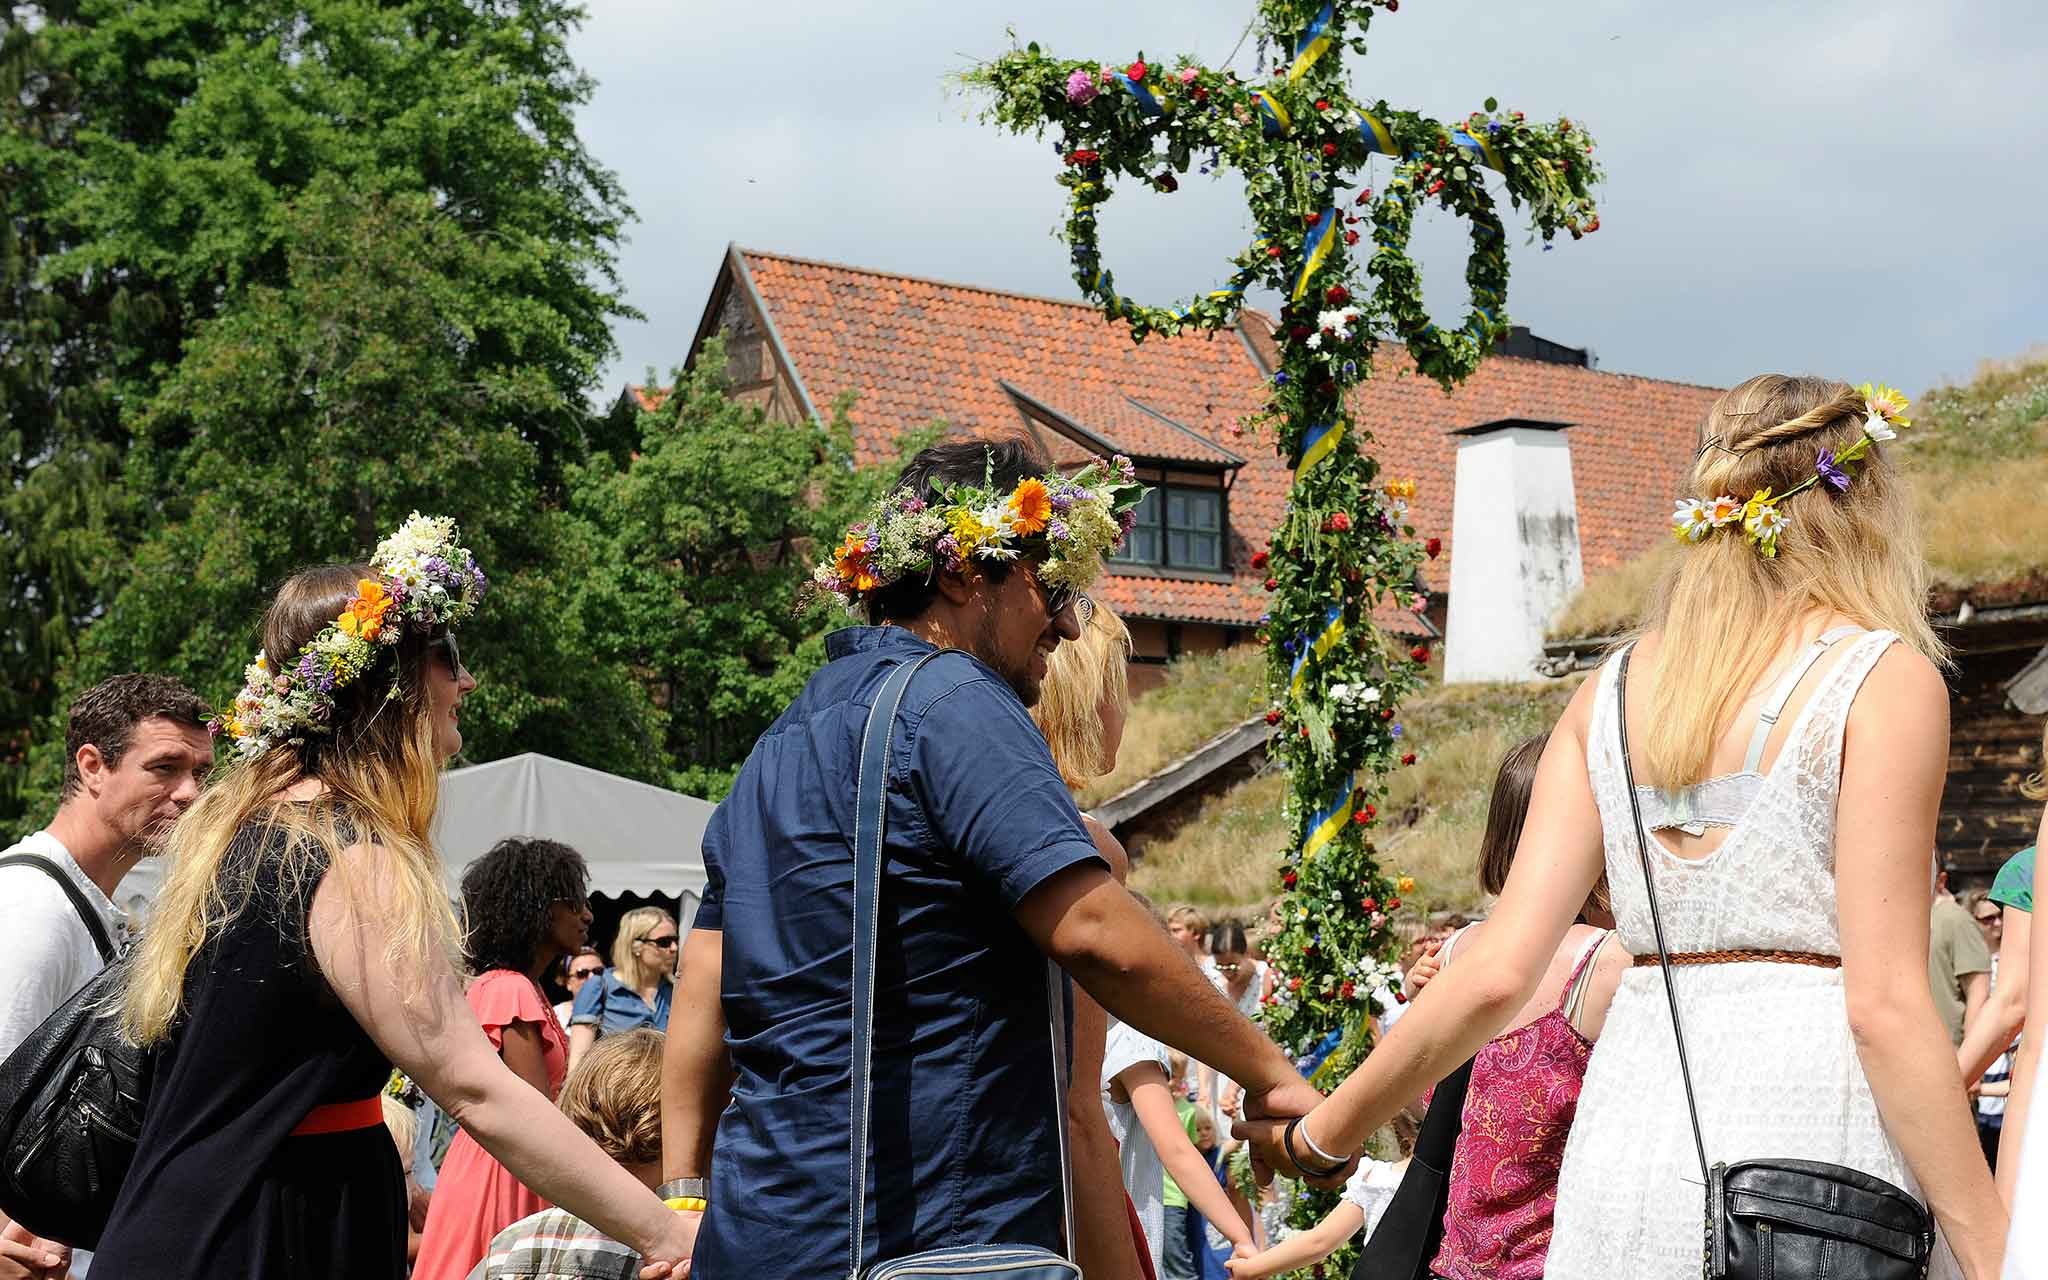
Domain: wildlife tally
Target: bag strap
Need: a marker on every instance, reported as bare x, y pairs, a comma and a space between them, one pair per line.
1635, 805
93, 924
871, 807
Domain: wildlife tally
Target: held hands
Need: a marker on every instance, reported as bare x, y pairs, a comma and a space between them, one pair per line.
24, 1257
1421, 972
1292, 1096
670, 1259
1270, 1153
1244, 1264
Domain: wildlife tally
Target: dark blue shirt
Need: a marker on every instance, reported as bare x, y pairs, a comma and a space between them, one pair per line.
964, 1149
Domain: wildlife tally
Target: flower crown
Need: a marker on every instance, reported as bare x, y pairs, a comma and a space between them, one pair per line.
424, 581
1069, 522
1760, 519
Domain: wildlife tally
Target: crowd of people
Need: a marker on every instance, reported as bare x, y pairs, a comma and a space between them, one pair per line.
1020, 1053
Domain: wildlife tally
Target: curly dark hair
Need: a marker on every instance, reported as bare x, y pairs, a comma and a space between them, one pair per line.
506, 895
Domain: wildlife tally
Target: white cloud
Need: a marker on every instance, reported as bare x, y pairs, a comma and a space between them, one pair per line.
1849, 188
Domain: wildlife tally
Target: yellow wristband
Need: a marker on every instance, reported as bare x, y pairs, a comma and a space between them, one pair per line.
687, 1204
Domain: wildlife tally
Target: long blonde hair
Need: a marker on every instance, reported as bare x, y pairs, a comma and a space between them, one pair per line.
626, 958
381, 782
1079, 677
1721, 606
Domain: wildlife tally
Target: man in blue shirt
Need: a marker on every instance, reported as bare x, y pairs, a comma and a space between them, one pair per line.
987, 869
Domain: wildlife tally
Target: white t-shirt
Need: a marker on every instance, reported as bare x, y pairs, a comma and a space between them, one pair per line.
50, 953
1144, 1173
1372, 1189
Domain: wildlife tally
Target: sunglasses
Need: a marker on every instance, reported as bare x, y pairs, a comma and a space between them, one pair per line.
1059, 599
586, 973
664, 943
1990, 919
450, 652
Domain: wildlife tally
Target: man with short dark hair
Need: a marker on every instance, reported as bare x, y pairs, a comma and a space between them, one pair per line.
986, 870
136, 752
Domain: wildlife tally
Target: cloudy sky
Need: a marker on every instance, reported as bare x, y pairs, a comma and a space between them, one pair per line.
1857, 189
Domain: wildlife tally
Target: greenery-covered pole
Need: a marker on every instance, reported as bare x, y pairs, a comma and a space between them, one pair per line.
1343, 548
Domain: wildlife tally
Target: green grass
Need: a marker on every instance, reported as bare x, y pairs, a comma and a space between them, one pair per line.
1204, 694
1225, 859
1977, 454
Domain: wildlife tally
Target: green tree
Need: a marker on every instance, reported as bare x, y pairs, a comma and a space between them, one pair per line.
156, 163
309, 419
709, 531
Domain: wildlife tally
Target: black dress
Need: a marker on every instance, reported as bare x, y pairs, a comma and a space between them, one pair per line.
220, 1187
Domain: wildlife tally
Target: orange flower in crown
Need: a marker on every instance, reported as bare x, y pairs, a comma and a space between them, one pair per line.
365, 615
1030, 507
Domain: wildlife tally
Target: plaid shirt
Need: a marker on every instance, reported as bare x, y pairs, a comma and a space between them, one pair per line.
555, 1244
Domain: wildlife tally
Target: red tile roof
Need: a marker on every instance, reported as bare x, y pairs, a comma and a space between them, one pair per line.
916, 351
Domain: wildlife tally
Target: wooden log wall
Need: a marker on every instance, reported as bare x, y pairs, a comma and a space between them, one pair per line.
1992, 750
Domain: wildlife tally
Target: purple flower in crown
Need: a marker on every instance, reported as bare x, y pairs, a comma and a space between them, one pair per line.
1057, 529
1830, 471
1062, 502
949, 550
874, 542
1125, 468
1127, 520
438, 569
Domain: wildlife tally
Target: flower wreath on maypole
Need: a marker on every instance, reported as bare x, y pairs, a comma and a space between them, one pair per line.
1344, 547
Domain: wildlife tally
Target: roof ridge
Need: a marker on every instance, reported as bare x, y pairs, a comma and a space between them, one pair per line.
914, 279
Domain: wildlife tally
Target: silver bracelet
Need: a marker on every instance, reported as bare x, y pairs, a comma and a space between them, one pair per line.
1301, 1131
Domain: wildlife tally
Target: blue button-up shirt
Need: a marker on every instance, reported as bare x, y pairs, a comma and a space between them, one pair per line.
613, 1007
964, 1149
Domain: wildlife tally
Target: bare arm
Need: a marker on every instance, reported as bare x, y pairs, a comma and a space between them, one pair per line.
581, 1036
2026, 1066
696, 1074
1992, 1032
1104, 1245
1556, 865
1303, 1250
1894, 762
1091, 925
421, 1022
1146, 1085
1976, 989
526, 1053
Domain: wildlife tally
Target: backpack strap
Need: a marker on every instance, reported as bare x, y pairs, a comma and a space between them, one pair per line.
95, 926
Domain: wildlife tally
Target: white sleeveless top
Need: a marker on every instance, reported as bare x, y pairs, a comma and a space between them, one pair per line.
1777, 1072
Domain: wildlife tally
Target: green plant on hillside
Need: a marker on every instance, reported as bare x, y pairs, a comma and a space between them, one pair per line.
1203, 695
1978, 461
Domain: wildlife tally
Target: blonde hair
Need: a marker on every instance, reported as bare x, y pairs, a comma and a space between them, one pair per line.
1856, 554
381, 782
1192, 917
625, 955
614, 1095
402, 1123
1080, 677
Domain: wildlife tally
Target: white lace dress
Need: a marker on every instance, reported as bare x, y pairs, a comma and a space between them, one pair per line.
1775, 1068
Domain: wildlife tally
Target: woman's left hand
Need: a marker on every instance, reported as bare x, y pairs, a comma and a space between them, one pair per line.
1270, 1155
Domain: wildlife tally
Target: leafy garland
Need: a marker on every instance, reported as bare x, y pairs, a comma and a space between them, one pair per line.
1344, 548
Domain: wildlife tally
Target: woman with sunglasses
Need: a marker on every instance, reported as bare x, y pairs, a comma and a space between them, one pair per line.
578, 968
636, 990
525, 905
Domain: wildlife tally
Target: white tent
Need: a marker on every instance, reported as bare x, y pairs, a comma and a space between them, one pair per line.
636, 837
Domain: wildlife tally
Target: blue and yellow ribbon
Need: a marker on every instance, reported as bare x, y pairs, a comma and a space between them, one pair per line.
1327, 823
1332, 634
1273, 117
1320, 442
1479, 148
1375, 134
1314, 42
1315, 248
1148, 102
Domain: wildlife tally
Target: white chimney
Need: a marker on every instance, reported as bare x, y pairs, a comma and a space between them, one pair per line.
1514, 548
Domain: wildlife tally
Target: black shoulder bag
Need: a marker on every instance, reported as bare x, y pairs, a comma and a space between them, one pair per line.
1406, 1241
1782, 1219
71, 1101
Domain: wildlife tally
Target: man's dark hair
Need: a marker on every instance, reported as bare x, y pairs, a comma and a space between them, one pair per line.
106, 715
1000, 463
506, 895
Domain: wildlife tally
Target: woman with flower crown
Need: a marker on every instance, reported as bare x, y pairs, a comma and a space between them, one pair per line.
1788, 731
303, 943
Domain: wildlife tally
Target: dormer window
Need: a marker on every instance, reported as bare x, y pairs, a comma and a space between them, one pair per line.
1177, 528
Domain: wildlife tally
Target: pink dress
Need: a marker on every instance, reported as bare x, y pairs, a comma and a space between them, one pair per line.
1518, 1112
476, 1197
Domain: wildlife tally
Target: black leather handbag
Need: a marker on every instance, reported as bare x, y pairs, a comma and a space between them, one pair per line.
71, 1102
1783, 1219
1405, 1242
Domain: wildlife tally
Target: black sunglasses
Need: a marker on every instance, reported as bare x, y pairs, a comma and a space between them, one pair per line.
664, 943
1990, 919
450, 651
586, 973
1058, 599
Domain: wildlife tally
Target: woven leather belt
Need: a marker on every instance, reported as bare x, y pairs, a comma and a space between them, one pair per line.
1814, 958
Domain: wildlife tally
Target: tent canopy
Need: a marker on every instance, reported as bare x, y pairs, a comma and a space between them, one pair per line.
635, 837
